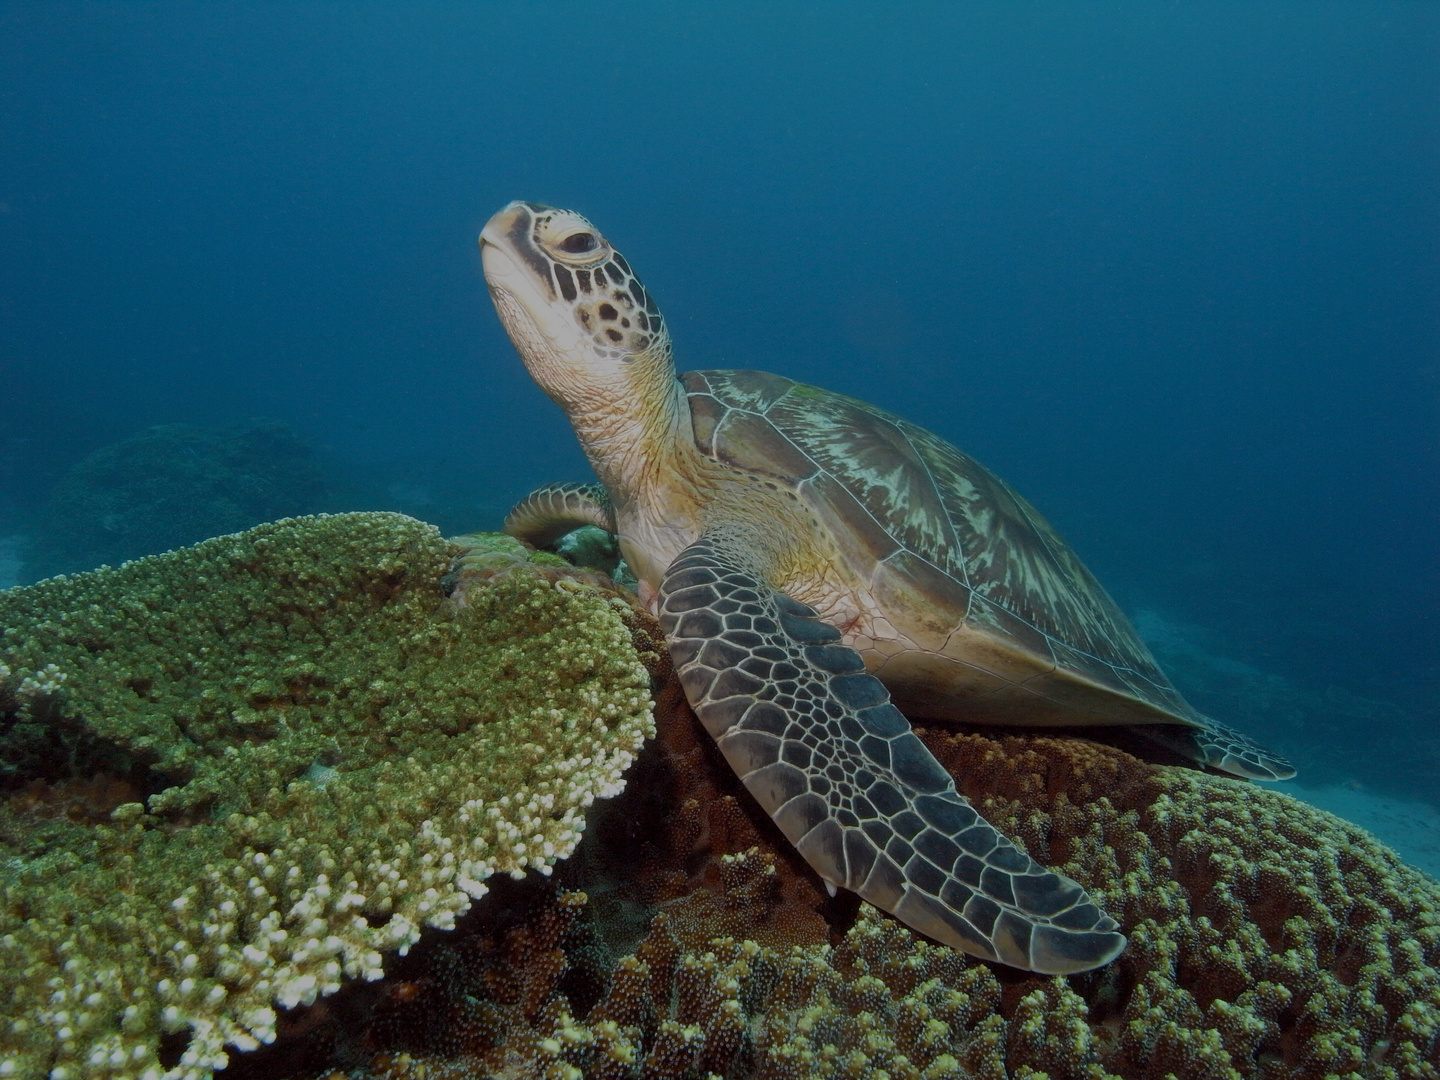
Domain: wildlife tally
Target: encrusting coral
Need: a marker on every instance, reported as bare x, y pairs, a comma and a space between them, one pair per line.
235, 775
684, 939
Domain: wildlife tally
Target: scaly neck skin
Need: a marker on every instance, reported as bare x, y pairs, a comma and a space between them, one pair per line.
638, 438
636, 432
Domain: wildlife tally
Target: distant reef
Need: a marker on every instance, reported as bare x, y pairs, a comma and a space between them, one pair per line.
169, 486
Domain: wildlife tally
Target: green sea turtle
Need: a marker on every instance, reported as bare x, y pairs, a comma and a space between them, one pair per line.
811, 557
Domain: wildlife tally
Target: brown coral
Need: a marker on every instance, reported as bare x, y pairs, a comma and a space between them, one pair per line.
1269, 940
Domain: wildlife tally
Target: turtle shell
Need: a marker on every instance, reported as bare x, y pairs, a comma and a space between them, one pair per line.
996, 619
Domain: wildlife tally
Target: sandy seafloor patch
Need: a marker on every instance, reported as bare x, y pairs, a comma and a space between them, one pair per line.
1411, 828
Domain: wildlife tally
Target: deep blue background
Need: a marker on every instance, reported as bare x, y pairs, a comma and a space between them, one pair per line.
1171, 269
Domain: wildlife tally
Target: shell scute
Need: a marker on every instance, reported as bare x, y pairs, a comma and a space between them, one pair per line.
936, 601
860, 535
705, 415
986, 613
749, 441
978, 575
752, 390
871, 457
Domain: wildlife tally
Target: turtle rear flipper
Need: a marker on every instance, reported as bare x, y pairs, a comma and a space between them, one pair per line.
548, 513
820, 747
1220, 747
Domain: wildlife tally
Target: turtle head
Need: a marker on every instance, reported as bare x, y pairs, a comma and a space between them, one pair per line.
577, 313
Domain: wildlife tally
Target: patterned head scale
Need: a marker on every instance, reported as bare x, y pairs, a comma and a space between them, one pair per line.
569, 300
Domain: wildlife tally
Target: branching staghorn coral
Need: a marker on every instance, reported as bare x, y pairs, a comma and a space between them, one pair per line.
237, 774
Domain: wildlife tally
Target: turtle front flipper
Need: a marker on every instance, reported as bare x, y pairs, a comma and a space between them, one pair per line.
819, 745
548, 513
1213, 743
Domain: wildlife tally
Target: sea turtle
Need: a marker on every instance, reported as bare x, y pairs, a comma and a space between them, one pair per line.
811, 557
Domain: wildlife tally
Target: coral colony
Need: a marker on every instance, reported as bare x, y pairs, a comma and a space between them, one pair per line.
454, 742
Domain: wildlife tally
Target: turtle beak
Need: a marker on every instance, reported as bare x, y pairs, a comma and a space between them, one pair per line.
514, 218
507, 247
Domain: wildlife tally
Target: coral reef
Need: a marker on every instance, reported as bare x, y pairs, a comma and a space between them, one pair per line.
236, 774
248, 774
597, 549
172, 485
1267, 938
684, 940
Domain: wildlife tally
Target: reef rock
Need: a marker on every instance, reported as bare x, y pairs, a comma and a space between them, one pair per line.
239, 776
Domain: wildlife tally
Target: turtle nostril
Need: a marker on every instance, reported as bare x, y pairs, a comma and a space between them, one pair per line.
579, 243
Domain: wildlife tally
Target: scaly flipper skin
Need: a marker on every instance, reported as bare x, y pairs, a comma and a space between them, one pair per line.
548, 513
820, 747
1221, 747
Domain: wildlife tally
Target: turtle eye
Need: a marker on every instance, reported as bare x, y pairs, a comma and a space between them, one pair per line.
579, 243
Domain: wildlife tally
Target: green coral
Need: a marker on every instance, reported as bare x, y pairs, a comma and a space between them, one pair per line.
335, 754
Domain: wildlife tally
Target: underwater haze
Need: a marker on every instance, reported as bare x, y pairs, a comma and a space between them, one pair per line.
1170, 269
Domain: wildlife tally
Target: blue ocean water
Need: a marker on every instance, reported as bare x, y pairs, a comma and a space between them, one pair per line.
1170, 269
